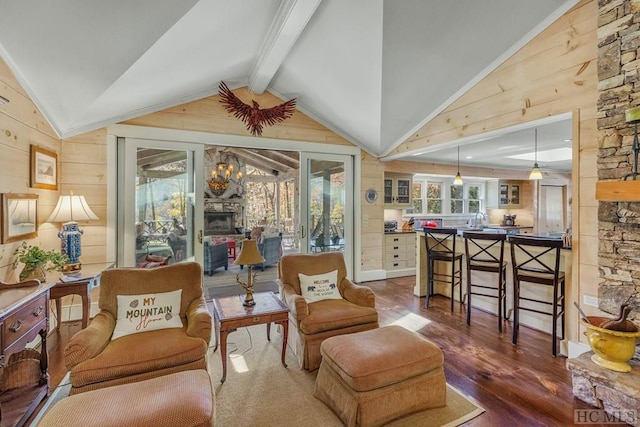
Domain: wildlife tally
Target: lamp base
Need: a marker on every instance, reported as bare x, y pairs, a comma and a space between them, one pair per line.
74, 266
248, 300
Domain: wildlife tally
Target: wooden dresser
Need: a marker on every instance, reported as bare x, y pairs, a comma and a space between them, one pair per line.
24, 379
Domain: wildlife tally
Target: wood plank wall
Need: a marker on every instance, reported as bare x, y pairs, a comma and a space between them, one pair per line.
22, 125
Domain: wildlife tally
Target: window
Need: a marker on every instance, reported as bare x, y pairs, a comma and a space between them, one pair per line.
457, 199
416, 197
443, 198
434, 197
473, 198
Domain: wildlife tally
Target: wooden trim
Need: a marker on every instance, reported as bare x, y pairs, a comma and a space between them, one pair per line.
618, 191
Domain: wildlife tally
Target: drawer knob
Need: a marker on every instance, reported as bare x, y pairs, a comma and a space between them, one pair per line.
256, 319
16, 326
38, 311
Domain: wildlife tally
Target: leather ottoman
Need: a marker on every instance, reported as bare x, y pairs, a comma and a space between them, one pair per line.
183, 399
370, 378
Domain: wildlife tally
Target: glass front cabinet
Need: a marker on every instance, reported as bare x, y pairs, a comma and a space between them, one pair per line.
510, 194
397, 190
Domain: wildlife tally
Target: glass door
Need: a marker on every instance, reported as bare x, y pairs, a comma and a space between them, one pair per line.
161, 194
326, 217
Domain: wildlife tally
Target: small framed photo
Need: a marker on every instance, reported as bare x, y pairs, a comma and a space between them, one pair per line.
44, 168
19, 217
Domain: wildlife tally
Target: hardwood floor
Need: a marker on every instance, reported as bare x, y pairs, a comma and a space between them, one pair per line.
519, 385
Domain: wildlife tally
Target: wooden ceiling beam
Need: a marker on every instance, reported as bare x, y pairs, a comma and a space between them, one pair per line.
277, 156
290, 20
259, 161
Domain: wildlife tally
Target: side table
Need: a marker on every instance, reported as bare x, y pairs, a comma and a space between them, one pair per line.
81, 287
229, 314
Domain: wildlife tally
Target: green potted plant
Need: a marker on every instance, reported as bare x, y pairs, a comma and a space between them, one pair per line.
37, 261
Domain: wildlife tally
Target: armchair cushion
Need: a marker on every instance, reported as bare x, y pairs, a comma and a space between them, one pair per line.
320, 286
147, 312
334, 314
133, 354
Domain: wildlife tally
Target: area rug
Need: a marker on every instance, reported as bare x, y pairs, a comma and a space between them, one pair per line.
260, 392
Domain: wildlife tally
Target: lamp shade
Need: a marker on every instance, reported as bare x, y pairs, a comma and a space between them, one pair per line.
249, 254
458, 179
535, 173
72, 208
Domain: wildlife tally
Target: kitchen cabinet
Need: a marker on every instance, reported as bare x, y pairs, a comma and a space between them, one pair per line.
397, 190
510, 194
400, 254
504, 194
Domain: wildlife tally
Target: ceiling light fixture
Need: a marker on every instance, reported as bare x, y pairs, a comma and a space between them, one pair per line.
220, 177
3, 100
535, 173
458, 179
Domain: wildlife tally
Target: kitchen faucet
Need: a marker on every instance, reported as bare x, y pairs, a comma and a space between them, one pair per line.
476, 222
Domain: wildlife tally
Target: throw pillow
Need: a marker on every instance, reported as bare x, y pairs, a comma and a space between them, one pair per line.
319, 287
153, 261
147, 312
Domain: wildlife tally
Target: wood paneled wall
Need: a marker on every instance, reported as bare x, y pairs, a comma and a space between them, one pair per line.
22, 125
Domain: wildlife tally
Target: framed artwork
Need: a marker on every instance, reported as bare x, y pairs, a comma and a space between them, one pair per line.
19, 217
44, 168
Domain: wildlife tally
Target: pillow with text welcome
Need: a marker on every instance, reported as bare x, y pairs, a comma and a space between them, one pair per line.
148, 312
319, 287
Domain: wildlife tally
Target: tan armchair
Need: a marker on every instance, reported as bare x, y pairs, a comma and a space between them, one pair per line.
310, 324
95, 361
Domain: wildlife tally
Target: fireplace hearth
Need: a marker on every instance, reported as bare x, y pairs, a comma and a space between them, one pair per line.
219, 223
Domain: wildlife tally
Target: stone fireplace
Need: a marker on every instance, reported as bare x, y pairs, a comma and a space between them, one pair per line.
619, 84
219, 223
223, 217
618, 209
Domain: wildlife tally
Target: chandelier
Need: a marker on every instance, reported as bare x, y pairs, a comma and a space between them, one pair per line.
220, 177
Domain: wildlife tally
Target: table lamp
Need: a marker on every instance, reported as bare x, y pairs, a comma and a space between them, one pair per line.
69, 210
249, 255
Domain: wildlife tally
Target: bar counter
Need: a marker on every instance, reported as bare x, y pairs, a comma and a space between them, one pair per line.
529, 319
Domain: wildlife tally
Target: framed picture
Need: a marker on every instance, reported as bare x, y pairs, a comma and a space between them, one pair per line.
44, 168
19, 217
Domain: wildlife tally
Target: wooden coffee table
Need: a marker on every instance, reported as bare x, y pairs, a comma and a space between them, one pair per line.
229, 315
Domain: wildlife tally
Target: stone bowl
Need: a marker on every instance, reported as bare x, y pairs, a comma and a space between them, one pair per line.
612, 349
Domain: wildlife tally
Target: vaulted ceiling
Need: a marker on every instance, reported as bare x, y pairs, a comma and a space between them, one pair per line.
373, 71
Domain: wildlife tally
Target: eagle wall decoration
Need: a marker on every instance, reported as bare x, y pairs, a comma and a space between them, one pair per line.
254, 116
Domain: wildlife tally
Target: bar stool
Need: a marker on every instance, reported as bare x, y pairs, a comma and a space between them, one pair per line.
441, 246
532, 264
485, 252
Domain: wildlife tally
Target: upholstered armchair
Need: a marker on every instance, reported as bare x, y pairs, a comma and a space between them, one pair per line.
216, 255
96, 360
310, 323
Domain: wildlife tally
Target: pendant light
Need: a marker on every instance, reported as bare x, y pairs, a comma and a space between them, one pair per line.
458, 179
535, 173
